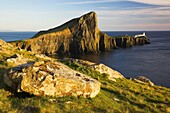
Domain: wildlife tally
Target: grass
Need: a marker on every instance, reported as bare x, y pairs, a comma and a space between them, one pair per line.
123, 96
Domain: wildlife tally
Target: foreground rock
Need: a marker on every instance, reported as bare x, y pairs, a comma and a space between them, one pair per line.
101, 68
4, 47
4, 44
79, 35
52, 79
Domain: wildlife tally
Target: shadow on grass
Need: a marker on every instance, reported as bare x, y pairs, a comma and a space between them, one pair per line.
123, 97
4, 70
99, 110
17, 104
158, 101
2, 84
16, 99
7, 88
30, 109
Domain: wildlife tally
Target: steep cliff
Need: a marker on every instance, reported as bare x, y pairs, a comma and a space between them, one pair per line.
79, 35
129, 41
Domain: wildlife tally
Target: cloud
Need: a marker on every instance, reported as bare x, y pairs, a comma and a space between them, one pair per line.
151, 2
89, 2
154, 2
157, 18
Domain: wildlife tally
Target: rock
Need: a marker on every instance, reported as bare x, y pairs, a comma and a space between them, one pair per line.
116, 99
51, 79
39, 63
142, 79
17, 59
3, 43
101, 68
42, 56
77, 36
4, 46
129, 41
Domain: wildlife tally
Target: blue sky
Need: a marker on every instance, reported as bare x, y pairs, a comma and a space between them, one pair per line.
113, 15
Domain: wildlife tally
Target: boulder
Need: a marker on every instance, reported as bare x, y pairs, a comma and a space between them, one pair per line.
17, 59
101, 68
51, 78
143, 79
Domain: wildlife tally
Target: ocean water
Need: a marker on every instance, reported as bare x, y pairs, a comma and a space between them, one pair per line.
13, 36
152, 60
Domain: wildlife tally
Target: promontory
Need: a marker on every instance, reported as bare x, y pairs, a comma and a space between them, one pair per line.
77, 36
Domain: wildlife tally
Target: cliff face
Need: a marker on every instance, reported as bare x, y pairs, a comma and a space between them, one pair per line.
80, 35
129, 41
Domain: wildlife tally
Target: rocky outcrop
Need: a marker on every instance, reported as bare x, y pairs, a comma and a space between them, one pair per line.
5, 51
4, 45
144, 80
129, 41
51, 78
80, 35
101, 68
17, 59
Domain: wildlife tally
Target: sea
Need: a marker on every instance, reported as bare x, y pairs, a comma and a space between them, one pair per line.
151, 60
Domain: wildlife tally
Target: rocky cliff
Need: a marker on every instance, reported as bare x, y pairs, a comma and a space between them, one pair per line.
79, 35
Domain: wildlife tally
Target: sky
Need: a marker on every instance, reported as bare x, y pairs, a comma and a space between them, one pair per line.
113, 15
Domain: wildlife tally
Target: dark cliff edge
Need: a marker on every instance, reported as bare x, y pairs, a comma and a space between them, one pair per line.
77, 36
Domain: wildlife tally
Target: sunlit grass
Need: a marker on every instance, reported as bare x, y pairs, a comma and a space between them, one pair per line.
123, 96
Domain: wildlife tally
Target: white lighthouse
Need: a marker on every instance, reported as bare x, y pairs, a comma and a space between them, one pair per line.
140, 35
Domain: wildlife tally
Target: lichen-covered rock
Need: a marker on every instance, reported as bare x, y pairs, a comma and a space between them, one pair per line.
5, 47
17, 59
142, 79
51, 78
101, 68
4, 44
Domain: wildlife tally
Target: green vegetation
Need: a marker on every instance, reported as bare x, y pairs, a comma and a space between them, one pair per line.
123, 96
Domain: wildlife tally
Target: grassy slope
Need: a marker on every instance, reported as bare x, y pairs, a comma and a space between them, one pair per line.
121, 96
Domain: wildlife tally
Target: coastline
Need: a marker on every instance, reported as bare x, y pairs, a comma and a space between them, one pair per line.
117, 55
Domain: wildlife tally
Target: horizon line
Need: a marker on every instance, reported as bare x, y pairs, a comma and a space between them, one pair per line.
100, 30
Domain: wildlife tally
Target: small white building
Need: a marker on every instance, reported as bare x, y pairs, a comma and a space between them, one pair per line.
140, 35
